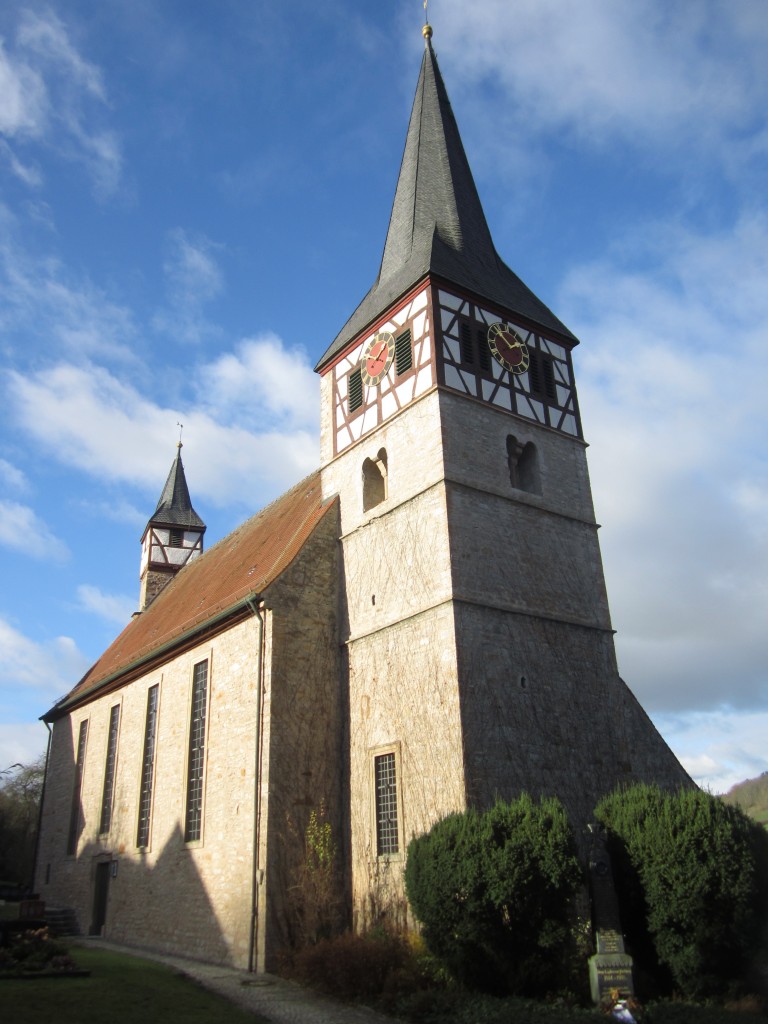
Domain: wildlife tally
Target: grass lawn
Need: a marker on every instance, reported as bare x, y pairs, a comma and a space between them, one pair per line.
122, 989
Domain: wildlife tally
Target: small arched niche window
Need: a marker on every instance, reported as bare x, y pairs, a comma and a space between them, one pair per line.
374, 480
523, 463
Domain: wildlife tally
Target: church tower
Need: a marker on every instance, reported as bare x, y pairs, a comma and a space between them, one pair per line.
478, 641
172, 537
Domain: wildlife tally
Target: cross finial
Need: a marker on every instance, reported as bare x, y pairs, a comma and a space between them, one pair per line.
181, 428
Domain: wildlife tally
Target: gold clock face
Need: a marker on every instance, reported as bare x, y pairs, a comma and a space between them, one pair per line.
508, 348
377, 357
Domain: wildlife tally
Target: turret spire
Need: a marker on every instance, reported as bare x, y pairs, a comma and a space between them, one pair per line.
173, 535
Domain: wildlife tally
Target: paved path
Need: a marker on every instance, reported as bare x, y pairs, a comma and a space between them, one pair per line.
273, 998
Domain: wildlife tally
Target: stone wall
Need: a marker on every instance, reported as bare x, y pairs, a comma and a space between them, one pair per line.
188, 898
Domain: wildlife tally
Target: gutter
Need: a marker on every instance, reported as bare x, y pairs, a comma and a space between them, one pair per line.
40, 808
256, 604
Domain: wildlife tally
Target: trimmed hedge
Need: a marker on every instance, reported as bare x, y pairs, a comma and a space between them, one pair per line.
494, 891
691, 877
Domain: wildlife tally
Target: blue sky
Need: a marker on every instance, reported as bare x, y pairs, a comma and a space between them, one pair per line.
193, 199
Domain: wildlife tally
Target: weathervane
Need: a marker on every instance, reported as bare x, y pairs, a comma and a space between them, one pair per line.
427, 30
181, 428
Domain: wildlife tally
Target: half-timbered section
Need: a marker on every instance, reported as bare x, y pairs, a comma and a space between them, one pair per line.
544, 393
360, 407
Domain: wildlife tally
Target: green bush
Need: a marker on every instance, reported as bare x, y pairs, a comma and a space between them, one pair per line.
494, 891
690, 874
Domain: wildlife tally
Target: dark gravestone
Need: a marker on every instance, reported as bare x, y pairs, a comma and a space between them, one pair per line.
610, 969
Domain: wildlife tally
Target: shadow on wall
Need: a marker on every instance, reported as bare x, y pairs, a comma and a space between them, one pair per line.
161, 904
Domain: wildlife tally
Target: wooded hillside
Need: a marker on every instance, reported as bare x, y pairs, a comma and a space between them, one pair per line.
752, 797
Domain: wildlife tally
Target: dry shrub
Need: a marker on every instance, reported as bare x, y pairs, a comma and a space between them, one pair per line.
377, 966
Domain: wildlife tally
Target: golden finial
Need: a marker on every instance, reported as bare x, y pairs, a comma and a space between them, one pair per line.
427, 30
181, 428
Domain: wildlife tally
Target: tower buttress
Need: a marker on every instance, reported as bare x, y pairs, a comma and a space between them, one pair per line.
172, 537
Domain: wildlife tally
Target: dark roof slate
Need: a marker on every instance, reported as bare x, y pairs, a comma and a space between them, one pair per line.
241, 565
437, 225
175, 505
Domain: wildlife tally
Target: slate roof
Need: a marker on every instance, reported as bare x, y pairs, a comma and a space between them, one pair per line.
175, 505
239, 567
438, 226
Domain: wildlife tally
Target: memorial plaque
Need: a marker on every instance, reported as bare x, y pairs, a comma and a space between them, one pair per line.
610, 973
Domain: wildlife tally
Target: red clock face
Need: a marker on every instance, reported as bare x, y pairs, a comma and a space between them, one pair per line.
377, 357
508, 348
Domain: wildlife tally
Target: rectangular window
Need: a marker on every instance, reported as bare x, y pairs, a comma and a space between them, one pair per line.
483, 351
175, 538
403, 353
355, 386
196, 766
147, 767
109, 771
75, 813
385, 782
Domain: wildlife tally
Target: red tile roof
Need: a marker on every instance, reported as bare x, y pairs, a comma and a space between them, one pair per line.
240, 565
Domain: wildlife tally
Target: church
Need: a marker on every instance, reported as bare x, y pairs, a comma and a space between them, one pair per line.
419, 626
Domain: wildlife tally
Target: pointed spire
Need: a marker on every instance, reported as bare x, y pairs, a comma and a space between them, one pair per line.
175, 505
437, 225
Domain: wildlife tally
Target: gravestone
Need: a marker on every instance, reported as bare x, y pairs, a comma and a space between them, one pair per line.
610, 969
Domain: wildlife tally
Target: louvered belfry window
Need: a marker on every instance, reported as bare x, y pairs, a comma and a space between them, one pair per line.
196, 766
403, 353
355, 389
109, 771
467, 344
147, 768
387, 835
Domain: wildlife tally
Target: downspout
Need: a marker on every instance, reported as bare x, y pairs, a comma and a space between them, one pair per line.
40, 808
255, 603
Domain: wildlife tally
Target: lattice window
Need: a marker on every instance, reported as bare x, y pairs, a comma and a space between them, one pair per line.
403, 353
75, 813
147, 767
385, 781
355, 387
196, 764
109, 771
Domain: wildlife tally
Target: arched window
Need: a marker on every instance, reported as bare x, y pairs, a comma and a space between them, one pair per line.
374, 480
523, 465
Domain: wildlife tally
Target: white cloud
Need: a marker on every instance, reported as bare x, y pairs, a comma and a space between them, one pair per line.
45, 669
13, 477
52, 95
21, 743
194, 278
672, 376
718, 748
23, 530
115, 608
40, 298
690, 74
86, 418
262, 376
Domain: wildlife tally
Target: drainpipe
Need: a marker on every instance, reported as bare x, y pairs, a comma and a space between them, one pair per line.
256, 605
40, 808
